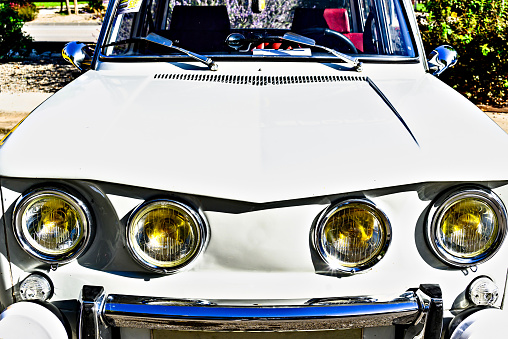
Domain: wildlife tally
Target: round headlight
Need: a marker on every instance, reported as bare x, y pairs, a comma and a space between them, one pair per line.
352, 236
466, 227
52, 225
165, 235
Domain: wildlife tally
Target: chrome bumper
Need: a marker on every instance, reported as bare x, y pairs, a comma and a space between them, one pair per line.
418, 311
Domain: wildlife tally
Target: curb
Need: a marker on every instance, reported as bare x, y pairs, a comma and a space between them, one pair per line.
15, 103
82, 23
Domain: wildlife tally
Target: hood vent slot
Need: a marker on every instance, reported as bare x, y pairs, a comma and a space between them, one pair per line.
259, 80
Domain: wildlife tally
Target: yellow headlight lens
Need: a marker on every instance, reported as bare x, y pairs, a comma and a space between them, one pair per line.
353, 235
51, 225
468, 228
164, 234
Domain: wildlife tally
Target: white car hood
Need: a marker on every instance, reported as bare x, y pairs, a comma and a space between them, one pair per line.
256, 143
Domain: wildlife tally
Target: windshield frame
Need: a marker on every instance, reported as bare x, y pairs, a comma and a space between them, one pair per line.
409, 21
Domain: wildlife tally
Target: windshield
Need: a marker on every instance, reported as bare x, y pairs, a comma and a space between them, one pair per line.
236, 28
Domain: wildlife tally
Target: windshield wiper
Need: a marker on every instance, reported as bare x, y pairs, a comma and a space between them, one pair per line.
300, 39
160, 40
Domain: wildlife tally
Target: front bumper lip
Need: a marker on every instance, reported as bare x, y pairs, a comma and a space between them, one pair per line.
131, 311
100, 311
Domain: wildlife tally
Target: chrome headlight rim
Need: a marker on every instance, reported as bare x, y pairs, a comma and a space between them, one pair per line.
198, 219
437, 212
71, 198
335, 264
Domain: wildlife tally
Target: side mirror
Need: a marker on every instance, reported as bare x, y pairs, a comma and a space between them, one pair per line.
441, 59
78, 54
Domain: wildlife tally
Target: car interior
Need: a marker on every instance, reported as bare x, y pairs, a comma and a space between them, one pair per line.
352, 27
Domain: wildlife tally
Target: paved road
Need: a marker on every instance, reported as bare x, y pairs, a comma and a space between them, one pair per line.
63, 32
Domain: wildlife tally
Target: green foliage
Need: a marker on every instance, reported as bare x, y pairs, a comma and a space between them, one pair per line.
12, 40
478, 30
95, 5
27, 11
55, 4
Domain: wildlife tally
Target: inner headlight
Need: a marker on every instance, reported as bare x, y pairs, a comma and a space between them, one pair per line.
352, 236
52, 225
466, 227
164, 235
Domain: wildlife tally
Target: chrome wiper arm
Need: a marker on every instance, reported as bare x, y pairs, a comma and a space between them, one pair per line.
300, 39
157, 39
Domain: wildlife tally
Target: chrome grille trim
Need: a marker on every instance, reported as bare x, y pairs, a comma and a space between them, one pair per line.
259, 80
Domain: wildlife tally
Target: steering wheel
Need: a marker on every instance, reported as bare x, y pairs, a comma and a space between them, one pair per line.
318, 33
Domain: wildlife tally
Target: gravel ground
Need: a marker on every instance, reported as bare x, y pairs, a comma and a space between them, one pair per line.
29, 80
46, 73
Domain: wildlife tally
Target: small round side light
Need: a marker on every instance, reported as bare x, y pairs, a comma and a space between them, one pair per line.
483, 291
36, 287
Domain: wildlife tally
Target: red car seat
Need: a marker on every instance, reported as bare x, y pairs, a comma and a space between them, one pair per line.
336, 19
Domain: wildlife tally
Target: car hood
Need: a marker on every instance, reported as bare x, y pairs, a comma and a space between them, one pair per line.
259, 140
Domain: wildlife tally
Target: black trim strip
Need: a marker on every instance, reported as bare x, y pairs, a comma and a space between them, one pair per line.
389, 104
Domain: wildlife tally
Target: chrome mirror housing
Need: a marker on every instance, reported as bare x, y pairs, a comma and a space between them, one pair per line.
442, 58
78, 54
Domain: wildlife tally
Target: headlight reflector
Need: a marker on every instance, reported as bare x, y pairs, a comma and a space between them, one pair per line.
352, 236
466, 227
52, 225
164, 235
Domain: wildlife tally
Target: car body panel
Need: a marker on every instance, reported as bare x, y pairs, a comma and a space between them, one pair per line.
257, 132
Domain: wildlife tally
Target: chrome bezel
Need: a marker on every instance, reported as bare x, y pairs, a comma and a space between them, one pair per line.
80, 207
440, 206
335, 265
197, 217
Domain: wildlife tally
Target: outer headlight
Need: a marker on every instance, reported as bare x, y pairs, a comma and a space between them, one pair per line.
466, 226
165, 235
52, 225
352, 235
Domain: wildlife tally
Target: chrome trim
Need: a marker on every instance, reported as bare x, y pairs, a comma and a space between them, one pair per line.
23, 202
90, 325
418, 310
435, 215
327, 213
442, 58
430, 323
300, 39
106, 24
198, 218
134, 311
78, 54
160, 40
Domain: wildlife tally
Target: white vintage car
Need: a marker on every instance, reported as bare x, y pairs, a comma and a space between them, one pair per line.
249, 168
